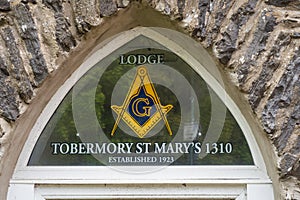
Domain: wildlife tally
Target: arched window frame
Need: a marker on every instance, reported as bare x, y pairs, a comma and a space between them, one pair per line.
250, 176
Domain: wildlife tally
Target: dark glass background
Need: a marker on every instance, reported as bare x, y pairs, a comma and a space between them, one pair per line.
61, 127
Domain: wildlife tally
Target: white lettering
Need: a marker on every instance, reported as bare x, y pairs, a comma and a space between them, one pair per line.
74, 148
131, 59
89, 148
121, 148
178, 147
147, 145
101, 149
160, 58
197, 147
140, 59
170, 149
111, 148
64, 148
129, 146
122, 62
55, 148
81, 148
139, 148
187, 146
160, 149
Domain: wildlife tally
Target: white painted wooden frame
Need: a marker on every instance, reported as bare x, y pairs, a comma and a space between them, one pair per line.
166, 191
34, 181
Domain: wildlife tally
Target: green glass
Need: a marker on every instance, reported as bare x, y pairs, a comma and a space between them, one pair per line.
230, 148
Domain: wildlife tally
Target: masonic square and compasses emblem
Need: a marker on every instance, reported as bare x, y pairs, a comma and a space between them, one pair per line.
141, 109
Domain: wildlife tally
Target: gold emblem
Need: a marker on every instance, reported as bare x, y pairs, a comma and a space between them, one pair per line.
141, 109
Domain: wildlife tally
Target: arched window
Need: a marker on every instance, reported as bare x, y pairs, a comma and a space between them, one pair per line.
148, 110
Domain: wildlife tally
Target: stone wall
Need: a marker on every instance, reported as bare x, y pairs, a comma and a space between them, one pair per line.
256, 42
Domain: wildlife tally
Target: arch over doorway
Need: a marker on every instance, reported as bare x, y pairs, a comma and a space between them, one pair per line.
246, 181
